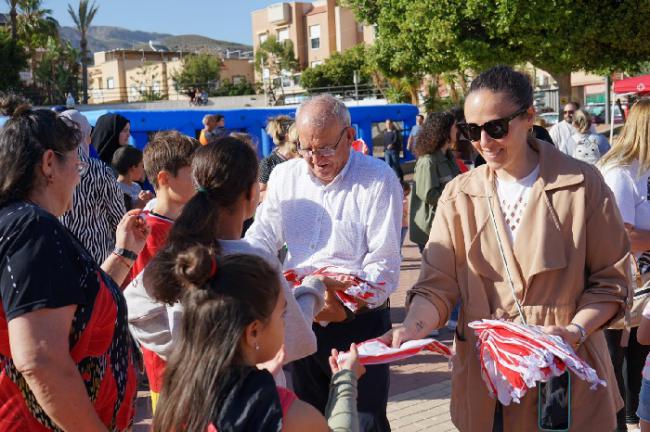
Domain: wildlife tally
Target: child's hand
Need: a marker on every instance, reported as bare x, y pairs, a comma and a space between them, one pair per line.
350, 362
275, 364
145, 196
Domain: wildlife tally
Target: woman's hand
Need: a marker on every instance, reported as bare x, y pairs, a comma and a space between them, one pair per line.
570, 334
336, 283
350, 362
132, 232
398, 335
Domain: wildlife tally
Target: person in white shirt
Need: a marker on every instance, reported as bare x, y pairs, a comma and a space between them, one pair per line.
336, 207
562, 132
626, 169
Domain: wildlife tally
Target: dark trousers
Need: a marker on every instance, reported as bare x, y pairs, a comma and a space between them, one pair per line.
392, 159
311, 375
628, 364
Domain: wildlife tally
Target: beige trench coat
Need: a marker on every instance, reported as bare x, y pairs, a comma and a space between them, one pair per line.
570, 251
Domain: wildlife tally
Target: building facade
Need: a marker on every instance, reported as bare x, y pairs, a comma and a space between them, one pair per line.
135, 75
316, 30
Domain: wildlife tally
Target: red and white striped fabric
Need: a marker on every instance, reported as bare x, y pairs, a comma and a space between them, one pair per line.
375, 351
362, 291
514, 357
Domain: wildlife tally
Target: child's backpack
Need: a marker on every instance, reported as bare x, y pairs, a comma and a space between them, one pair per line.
586, 148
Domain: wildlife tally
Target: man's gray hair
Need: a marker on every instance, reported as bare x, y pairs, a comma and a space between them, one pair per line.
329, 108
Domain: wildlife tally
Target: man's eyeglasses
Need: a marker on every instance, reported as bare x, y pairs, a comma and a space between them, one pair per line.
82, 166
497, 128
324, 152
569, 112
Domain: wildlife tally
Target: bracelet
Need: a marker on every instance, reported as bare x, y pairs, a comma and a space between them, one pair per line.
122, 260
125, 253
583, 332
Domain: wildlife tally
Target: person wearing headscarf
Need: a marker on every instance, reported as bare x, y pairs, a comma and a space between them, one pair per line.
98, 205
111, 132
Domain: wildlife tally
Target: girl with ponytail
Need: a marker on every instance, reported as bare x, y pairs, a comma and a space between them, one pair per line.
225, 175
233, 311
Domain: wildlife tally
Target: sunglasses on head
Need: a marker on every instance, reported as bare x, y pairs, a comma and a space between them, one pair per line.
497, 128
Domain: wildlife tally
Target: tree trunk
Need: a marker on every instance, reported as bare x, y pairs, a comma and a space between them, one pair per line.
564, 84
14, 25
84, 67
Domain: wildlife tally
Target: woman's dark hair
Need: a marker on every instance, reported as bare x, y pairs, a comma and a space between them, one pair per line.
125, 158
504, 79
222, 172
23, 140
217, 308
436, 132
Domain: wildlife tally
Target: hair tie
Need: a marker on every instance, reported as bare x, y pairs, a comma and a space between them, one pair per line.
201, 189
213, 267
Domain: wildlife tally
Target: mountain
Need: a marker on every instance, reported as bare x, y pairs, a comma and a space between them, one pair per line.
105, 38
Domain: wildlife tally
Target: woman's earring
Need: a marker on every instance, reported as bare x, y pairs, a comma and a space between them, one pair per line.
257, 346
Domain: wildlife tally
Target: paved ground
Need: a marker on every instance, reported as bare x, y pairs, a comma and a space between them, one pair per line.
420, 386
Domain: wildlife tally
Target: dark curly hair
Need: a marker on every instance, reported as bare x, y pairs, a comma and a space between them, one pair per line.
436, 132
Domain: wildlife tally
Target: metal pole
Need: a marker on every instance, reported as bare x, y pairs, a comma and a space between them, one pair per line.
355, 78
608, 90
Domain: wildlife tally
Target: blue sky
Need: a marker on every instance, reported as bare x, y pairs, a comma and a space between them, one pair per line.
219, 19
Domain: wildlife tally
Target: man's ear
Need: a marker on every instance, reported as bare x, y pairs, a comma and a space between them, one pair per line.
162, 178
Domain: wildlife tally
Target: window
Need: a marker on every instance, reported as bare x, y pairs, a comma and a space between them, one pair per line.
283, 34
110, 83
316, 63
238, 79
314, 36
263, 37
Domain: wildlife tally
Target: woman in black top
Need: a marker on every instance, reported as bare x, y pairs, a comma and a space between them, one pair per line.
283, 132
65, 348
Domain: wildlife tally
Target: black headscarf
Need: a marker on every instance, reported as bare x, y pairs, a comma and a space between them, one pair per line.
106, 135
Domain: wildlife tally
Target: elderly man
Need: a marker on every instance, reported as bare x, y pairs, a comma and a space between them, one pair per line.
336, 207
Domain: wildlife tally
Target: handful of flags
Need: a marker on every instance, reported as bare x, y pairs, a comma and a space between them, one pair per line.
360, 292
515, 357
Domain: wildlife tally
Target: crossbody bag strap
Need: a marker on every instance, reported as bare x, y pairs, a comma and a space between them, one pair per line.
503, 256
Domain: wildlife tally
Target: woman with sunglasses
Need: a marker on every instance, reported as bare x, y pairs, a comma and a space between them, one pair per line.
533, 236
66, 360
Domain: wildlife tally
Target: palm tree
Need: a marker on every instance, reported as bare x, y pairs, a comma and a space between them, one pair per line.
13, 14
82, 20
35, 26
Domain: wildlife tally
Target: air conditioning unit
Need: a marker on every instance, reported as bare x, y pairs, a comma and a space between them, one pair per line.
279, 13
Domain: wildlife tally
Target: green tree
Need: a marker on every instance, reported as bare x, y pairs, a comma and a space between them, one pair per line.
58, 71
560, 36
276, 57
338, 70
35, 27
13, 61
82, 18
147, 82
198, 70
13, 16
228, 88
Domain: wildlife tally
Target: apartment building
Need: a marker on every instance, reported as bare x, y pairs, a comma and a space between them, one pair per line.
316, 30
124, 75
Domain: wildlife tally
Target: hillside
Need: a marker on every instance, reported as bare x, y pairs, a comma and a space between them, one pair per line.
104, 38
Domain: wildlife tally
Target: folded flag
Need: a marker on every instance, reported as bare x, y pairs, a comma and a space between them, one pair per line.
375, 351
515, 357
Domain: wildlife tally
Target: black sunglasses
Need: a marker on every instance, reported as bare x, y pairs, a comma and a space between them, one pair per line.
497, 128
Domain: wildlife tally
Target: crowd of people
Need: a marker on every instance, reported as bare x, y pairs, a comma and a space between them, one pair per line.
100, 276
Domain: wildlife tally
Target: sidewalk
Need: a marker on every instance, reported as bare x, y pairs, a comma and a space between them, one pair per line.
420, 386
